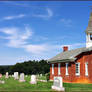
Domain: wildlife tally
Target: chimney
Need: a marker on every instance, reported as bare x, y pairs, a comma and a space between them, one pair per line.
65, 48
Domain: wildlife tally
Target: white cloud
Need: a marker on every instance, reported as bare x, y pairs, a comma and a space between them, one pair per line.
45, 16
66, 22
9, 31
50, 13
16, 38
14, 17
19, 39
35, 49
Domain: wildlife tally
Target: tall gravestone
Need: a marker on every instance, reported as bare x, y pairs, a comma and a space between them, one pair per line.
6, 76
58, 84
0, 75
16, 76
21, 79
33, 79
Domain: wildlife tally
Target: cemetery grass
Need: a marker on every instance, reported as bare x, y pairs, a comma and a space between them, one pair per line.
15, 85
72, 87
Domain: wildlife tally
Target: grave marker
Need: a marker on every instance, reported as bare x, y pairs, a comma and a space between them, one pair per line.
33, 79
58, 84
16, 75
21, 79
6, 76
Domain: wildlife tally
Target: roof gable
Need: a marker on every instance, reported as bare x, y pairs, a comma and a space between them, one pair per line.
69, 55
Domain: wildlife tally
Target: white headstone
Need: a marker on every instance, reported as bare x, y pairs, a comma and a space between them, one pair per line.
2, 82
41, 75
58, 84
33, 79
21, 79
16, 75
6, 76
26, 76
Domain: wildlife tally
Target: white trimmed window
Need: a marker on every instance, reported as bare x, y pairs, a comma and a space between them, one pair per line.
67, 69
77, 69
59, 72
86, 68
52, 69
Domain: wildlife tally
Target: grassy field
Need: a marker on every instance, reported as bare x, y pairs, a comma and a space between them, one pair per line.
15, 85
71, 87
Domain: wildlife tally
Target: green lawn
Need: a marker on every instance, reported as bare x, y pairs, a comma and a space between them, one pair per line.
42, 77
71, 87
15, 85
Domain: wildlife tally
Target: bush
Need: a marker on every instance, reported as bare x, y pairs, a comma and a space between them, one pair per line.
48, 76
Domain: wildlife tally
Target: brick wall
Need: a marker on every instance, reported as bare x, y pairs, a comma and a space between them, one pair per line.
82, 58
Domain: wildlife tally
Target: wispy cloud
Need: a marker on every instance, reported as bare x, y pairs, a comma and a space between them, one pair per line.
20, 39
45, 16
15, 37
66, 22
35, 48
14, 17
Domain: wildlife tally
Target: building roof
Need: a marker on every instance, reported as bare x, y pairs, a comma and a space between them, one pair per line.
68, 56
89, 28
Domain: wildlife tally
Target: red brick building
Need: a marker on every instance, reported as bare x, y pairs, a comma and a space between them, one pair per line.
75, 65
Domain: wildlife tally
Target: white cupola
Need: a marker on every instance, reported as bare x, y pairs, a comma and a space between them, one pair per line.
89, 33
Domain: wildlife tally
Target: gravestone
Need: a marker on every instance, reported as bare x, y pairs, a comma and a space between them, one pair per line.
6, 76
21, 79
0, 75
58, 84
26, 76
16, 75
40, 75
33, 79
2, 82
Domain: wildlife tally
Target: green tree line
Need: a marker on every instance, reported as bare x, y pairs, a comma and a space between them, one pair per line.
27, 67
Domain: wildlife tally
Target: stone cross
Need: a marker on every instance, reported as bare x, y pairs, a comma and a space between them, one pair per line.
58, 84
6, 76
33, 79
21, 79
16, 75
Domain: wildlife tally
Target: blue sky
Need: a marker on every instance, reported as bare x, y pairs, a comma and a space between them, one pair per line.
39, 30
